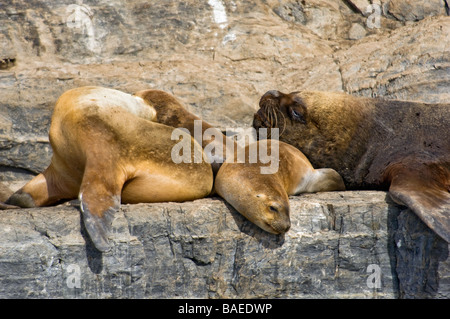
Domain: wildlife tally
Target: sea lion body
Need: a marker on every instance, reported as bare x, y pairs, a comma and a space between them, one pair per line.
107, 150
171, 112
373, 144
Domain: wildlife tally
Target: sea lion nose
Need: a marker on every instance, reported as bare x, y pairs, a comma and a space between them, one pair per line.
281, 222
260, 120
281, 225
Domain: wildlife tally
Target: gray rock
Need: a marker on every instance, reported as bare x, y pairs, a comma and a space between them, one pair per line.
360, 5
356, 32
401, 66
341, 245
292, 12
411, 10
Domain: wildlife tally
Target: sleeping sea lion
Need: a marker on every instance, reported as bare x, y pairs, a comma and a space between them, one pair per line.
263, 198
107, 150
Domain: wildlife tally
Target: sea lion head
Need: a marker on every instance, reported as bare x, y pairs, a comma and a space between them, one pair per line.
258, 197
280, 110
325, 126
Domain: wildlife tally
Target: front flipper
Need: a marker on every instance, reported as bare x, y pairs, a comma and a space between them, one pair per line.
98, 222
426, 193
99, 201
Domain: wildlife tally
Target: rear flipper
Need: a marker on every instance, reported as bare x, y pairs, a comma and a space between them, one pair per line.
426, 193
4, 206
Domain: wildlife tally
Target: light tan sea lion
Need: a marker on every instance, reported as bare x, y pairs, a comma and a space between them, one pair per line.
400, 146
263, 198
108, 150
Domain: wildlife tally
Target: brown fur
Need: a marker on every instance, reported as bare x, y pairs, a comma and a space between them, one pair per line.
171, 112
373, 144
105, 155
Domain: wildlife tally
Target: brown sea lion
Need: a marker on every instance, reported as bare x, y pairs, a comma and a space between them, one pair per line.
107, 150
400, 146
263, 198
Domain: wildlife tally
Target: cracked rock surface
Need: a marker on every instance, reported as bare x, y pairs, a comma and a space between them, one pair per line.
340, 245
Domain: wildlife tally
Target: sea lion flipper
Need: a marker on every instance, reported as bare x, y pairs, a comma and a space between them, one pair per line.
4, 206
99, 201
98, 225
426, 198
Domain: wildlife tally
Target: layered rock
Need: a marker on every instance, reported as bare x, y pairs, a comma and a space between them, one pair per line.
217, 57
341, 245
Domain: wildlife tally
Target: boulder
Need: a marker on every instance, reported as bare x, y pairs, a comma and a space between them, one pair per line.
409, 10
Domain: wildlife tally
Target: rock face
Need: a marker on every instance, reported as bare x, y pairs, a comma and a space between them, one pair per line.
341, 245
218, 57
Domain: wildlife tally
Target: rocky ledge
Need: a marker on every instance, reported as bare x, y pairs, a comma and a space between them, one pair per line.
355, 244
218, 57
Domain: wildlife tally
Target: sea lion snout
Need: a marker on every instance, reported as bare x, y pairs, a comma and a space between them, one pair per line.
277, 218
269, 111
260, 120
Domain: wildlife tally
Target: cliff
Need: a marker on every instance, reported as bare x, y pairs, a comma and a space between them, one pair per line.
218, 57
341, 245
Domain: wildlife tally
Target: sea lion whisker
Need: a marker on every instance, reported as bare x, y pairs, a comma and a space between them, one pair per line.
284, 124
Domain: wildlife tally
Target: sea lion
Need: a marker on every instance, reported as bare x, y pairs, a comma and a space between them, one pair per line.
373, 143
259, 195
106, 150
263, 198
171, 112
